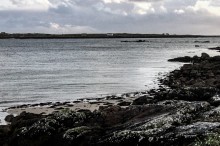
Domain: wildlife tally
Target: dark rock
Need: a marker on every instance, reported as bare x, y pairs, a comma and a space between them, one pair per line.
215, 48
214, 59
124, 103
5, 131
205, 56
142, 100
181, 59
137, 41
77, 101
83, 110
82, 135
201, 41
59, 108
25, 119
215, 100
9, 118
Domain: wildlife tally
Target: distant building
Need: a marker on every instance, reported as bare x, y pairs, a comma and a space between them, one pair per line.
110, 34
3, 32
165, 34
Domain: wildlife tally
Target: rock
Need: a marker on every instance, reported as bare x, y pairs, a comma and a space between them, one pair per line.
182, 135
45, 126
4, 130
201, 41
188, 94
137, 41
159, 129
215, 100
76, 133
25, 119
215, 48
82, 135
205, 56
142, 100
214, 59
181, 59
9, 118
202, 73
124, 103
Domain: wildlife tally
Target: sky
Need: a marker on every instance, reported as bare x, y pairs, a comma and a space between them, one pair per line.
110, 16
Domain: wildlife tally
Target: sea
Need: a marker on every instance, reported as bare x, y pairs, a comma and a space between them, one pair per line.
44, 70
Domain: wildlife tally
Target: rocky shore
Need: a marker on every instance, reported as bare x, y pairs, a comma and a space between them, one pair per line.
185, 110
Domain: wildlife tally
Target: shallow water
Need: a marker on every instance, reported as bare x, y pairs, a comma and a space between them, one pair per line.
67, 69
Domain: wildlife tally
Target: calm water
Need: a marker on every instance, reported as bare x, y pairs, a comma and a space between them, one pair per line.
57, 70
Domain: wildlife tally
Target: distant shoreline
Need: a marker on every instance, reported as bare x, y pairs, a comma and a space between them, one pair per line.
4, 35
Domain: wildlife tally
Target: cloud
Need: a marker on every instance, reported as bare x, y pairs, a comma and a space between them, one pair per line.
180, 11
210, 6
68, 28
33, 5
136, 16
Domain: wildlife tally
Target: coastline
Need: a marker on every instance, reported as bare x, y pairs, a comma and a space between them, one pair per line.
183, 111
5, 35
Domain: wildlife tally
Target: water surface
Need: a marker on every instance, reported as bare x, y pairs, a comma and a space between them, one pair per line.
67, 69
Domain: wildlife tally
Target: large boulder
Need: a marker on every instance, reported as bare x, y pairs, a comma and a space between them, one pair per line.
205, 56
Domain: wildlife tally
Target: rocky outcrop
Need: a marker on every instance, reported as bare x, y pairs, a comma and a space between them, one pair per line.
165, 122
136, 41
181, 59
201, 41
215, 48
188, 59
204, 72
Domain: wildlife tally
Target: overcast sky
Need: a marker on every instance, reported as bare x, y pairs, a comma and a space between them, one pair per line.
101, 16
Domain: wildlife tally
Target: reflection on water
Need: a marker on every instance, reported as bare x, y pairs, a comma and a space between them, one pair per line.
52, 70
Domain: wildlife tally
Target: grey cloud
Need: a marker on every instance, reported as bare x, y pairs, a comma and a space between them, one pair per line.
95, 15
